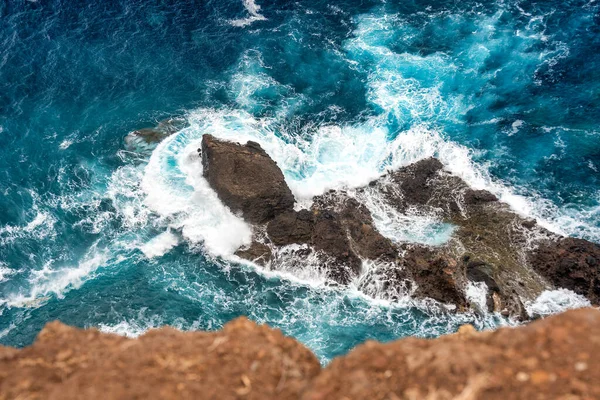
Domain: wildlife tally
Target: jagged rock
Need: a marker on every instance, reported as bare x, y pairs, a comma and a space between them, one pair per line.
291, 227
338, 227
366, 239
244, 360
414, 181
550, 359
570, 263
390, 281
257, 252
488, 230
473, 197
435, 275
479, 271
338, 231
246, 179
554, 358
330, 237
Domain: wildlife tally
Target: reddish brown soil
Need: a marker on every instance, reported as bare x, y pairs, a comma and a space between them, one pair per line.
243, 361
555, 358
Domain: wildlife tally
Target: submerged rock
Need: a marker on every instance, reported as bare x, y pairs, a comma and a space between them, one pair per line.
554, 358
147, 138
246, 179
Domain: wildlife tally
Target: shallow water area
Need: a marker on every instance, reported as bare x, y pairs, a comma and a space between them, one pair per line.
97, 232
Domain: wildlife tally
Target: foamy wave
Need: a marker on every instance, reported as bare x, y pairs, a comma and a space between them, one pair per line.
160, 245
5, 272
40, 227
49, 281
554, 302
254, 11
133, 328
176, 190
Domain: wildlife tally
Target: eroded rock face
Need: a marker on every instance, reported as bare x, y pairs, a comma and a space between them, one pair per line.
488, 244
555, 358
292, 227
243, 360
246, 179
435, 274
550, 359
570, 263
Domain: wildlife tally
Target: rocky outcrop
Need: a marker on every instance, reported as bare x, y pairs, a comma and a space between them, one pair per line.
570, 263
246, 179
553, 358
488, 244
491, 244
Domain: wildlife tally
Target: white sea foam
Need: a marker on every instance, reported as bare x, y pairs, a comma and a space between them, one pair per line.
125, 328
5, 272
135, 327
65, 144
476, 293
56, 281
254, 10
40, 227
555, 301
176, 190
160, 244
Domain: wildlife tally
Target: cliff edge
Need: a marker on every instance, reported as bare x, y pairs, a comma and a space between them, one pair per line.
554, 358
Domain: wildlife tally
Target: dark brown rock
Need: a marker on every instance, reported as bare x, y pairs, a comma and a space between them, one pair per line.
330, 237
246, 179
415, 181
570, 263
340, 228
473, 197
257, 252
291, 227
479, 271
435, 275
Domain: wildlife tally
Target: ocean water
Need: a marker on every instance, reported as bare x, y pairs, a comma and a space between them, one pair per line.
97, 233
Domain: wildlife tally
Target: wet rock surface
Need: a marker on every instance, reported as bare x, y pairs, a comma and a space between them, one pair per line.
554, 358
436, 275
246, 179
491, 244
570, 263
256, 252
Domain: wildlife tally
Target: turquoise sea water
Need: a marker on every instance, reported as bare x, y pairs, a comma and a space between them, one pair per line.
93, 233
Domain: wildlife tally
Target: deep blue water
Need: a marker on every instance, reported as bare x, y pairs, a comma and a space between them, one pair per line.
505, 93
